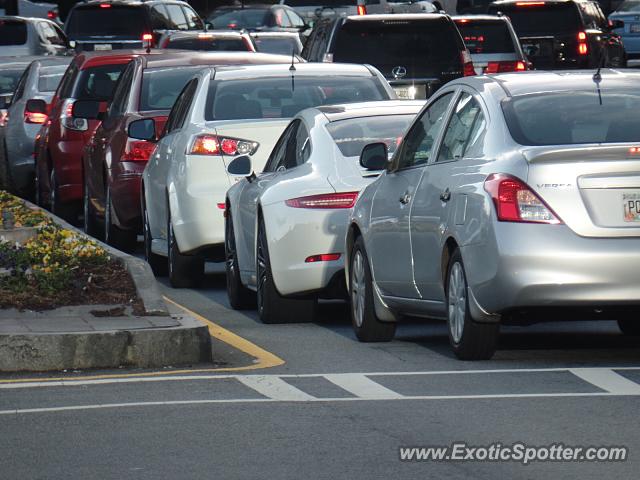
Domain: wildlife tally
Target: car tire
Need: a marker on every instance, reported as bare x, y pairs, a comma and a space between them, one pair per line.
469, 339
365, 322
90, 223
124, 240
157, 262
240, 297
629, 326
273, 307
66, 211
185, 271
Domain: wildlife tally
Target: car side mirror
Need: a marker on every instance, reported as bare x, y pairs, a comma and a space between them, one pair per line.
143, 129
240, 166
615, 24
374, 156
87, 109
36, 105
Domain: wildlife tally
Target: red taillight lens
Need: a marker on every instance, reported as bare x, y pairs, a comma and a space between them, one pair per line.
4, 118
51, 14
105, 5
147, 37
362, 10
583, 48
325, 200
138, 151
325, 257
467, 64
516, 202
35, 117
500, 67
215, 145
67, 120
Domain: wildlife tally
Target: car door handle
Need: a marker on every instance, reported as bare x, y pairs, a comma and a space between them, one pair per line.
446, 195
404, 199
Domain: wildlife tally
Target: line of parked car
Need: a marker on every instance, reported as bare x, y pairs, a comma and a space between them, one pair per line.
323, 172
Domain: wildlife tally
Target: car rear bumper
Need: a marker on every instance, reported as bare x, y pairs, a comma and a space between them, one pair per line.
125, 196
530, 265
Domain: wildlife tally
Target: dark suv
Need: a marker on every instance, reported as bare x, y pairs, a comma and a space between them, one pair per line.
417, 53
111, 25
564, 34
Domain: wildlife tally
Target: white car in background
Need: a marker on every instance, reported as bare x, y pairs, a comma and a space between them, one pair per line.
221, 114
285, 228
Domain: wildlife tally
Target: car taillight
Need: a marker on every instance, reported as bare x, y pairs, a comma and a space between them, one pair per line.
52, 14
68, 121
138, 151
35, 117
583, 48
500, 67
361, 9
215, 145
516, 202
324, 201
4, 118
323, 257
467, 64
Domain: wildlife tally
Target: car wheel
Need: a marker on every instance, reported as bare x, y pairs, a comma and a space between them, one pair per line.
366, 325
66, 211
90, 223
629, 326
124, 240
157, 262
273, 307
240, 297
185, 271
469, 339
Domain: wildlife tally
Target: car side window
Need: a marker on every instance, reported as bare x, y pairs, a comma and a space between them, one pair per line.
296, 20
159, 18
64, 90
193, 20
121, 93
419, 141
20, 86
298, 148
178, 113
176, 15
464, 136
279, 152
282, 20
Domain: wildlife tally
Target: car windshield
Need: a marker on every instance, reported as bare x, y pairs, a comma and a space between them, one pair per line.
12, 33
9, 80
250, 18
353, 134
161, 86
539, 18
423, 48
50, 78
278, 45
209, 44
562, 118
284, 97
629, 7
97, 83
486, 36
115, 21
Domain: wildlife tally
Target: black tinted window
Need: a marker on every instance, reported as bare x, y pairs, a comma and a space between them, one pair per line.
423, 48
12, 33
121, 21
541, 19
486, 37
209, 44
9, 80
97, 83
249, 18
161, 86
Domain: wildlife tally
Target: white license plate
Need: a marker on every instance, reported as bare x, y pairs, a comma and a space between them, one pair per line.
410, 92
634, 28
631, 206
102, 46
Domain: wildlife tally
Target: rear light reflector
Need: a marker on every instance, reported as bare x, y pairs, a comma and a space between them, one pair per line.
215, 145
467, 64
516, 202
325, 257
35, 117
138, 151
324, 201
500, 67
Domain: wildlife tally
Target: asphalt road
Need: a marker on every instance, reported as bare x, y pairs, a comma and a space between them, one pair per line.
335, 408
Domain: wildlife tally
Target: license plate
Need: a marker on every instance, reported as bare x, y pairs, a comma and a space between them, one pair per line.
631, 206
102, 46
410, 92
634, 28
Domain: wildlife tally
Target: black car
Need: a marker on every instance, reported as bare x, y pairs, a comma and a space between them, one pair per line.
564, 34
111, 25
417, 53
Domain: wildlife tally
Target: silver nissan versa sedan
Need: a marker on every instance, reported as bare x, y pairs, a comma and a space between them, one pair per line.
513, 198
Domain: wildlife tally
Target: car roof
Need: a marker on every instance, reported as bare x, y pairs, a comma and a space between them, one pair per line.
213, 33
345, 111
22, 19
301, 69
174, 58
114, 57
404, 17
93, 3
10, 63
479, 18
275, 34
53, 61
512, 2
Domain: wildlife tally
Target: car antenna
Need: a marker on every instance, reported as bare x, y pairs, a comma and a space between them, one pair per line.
292, 69
597, 78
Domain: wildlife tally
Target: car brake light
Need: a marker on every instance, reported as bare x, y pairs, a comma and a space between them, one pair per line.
362, 10
500, 67
68, 121
138, 151
467, 64
516, 202
325, 200
105, 5
324, 257
530, 4
52, 14
583, 48
215, 145
147, 37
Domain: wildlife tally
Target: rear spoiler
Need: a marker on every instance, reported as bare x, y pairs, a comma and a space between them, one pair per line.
582, 152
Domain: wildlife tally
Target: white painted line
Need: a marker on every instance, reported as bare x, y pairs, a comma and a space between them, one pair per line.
311, 400
607, 380
274, 388
361, 386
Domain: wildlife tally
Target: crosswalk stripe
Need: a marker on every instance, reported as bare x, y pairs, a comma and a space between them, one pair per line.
361, 386
275, 388
607, 380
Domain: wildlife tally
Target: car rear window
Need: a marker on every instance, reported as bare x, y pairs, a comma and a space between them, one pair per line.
284, 97
423, 48
486, 36
161, 86
9, 80
250, 18
539, 18
128, 22
12, 33
209, 44
353, 134
97, 83
50, 78
278, 45
563, 118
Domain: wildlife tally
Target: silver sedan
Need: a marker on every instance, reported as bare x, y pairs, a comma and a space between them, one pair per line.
513, 199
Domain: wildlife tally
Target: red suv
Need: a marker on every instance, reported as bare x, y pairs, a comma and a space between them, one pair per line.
113, 161
58, 150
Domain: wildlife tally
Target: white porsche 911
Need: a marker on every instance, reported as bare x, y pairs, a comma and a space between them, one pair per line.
285, 227
223, 113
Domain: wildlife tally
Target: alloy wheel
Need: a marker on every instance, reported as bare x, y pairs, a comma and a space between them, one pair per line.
457, 302
358, 288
